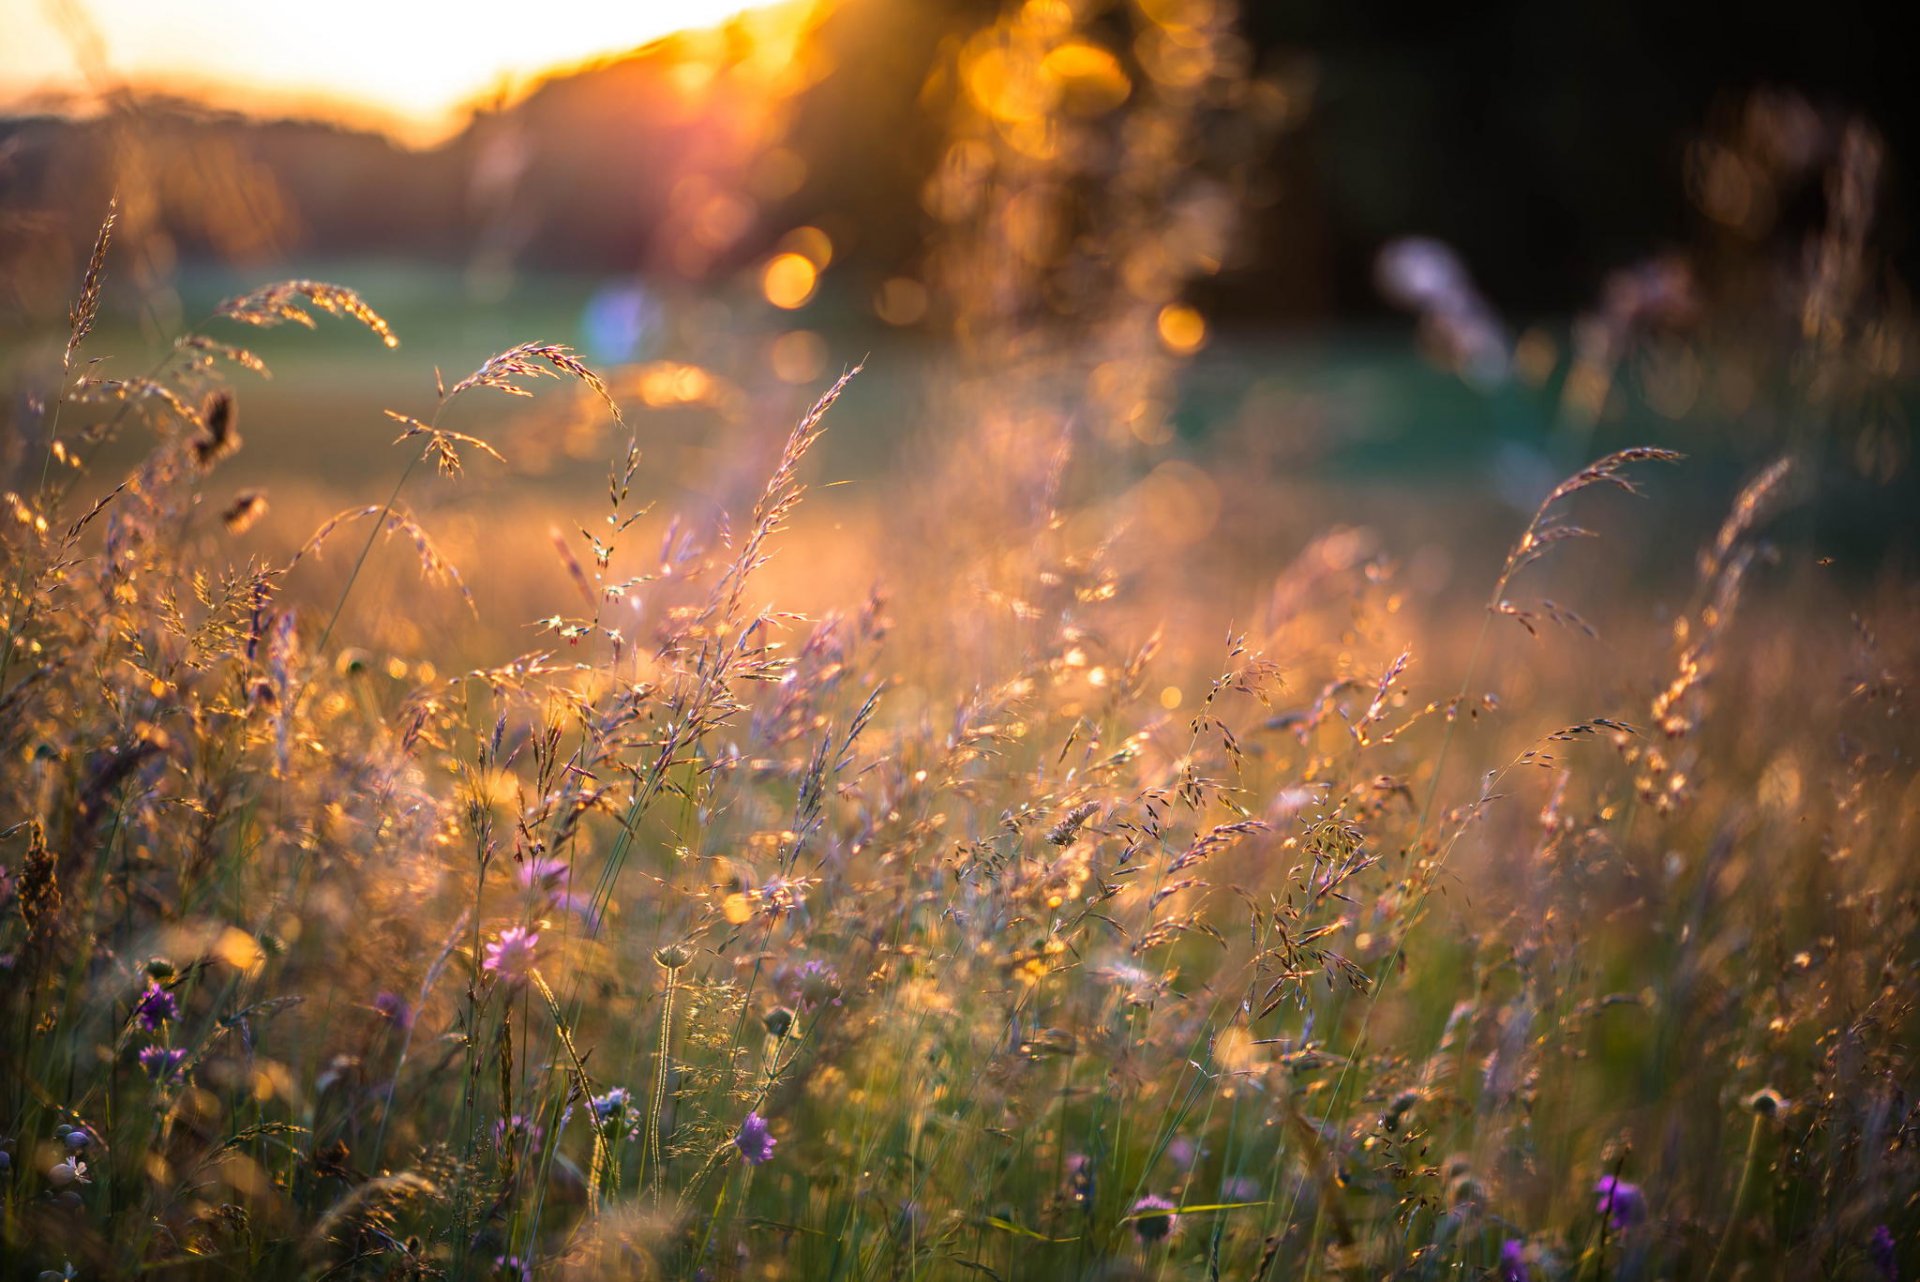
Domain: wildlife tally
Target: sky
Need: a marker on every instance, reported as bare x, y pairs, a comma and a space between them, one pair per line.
407, 66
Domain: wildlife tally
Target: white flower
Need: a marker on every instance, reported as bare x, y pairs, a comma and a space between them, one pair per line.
71, 1171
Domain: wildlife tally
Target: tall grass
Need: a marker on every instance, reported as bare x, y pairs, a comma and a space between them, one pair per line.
1012, 922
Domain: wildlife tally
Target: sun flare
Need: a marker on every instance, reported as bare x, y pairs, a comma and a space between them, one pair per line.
410, 67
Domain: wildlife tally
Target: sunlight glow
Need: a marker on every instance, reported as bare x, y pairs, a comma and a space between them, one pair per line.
412, 67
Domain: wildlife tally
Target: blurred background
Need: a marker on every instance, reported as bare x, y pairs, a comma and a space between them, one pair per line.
1385, 264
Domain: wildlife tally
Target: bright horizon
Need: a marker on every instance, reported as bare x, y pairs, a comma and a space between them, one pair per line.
408, 67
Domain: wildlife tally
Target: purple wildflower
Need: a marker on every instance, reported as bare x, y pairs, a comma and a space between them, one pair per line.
553, 877
1513, 1261
1080, 1177
510, 957
816, 984
542, 874
394, 1008
611, 1109
1621, 1202
755, 1140
510, 1132
155, 1007
1153, 1218
162, 1062
1880, 1248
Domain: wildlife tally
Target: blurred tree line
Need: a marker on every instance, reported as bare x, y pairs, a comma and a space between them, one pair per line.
1549, 143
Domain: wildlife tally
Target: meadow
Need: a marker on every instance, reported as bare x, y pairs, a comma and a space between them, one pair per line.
1036, 800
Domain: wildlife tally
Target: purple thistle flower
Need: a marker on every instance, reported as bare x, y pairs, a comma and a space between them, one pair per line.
1153, 1218
162, 1062
1621, 1202
155, 1007
510, 957
1513, 1261
1880, 1248
755, 1140
393, 1008
816, 984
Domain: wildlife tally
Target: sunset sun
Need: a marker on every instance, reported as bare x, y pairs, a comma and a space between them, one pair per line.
408, 67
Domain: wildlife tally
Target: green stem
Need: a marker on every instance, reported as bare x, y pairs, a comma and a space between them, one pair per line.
326, 633
660, 1083
1739, 1194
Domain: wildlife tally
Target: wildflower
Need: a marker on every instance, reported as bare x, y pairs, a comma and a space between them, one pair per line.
70, 1171
508, 1132
1880, 1248
1153, 1218
672, 956
610, 1108
542, 874
155, 1007
816, 985
510, 957
1241, 1188
1621, 1202
781, 896
755, 1141
779, 1021
1513, 1261
394, 1009
512, 1267
1080, 1177
78, 1138
552, 877
162, 1062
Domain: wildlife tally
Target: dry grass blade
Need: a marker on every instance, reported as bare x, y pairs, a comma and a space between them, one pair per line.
534, 360
442, 443
281, 302
206, 349
1543, 532
135, 391
248, 507
1757, 500
219, 438
435, 566
782, 493
1214, 841
87, 307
